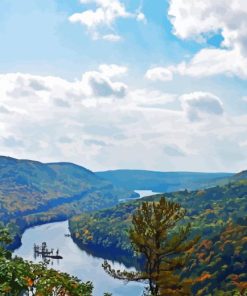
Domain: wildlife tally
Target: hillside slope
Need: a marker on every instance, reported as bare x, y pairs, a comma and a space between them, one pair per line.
29, 190
163, 181
209, 210
217, 214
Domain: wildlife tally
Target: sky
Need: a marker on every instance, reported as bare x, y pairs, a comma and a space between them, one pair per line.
125, 84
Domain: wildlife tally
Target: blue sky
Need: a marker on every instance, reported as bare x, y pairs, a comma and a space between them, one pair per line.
125, 84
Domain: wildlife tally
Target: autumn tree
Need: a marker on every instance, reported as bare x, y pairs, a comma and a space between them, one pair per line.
21, 277
164, 245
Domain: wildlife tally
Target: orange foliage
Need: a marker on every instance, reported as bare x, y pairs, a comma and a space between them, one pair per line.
244, 239
207, 244
29, 281
204, 277
242, 286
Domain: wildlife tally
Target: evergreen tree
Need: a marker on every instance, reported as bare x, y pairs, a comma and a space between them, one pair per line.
165, 250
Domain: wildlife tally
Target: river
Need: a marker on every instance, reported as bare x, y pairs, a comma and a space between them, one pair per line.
76, 261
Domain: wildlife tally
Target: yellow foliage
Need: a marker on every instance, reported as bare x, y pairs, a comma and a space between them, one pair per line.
86, 232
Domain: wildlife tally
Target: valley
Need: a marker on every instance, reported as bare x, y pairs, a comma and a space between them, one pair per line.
98, 214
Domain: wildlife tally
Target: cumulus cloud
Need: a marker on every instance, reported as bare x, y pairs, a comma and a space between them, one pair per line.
99, 85
159, 74
210, 62
198, 104
200, 20
37, 85
93, 84
102, 19
207, 62
57, 123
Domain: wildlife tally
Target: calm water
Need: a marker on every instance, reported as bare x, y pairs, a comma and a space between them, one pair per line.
76, 262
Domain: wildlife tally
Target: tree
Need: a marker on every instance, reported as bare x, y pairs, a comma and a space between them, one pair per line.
20, 277
164, 246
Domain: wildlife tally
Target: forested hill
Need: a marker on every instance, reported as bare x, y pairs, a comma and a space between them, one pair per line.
33, 192
240, 176
209, 209
163, 181
215, 213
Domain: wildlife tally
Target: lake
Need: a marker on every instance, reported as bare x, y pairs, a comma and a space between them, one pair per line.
76, 261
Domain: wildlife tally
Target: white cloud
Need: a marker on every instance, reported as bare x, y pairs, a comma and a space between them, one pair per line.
209, 62
103, 18
151, 98
159, 74
198, 104
199, 20
141, 17
111, 37
112, 70
60, 121
99, 85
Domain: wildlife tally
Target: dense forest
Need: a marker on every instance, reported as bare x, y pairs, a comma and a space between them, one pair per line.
217, 214
33, 193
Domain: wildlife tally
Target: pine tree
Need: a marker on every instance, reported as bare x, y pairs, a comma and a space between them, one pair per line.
165, 250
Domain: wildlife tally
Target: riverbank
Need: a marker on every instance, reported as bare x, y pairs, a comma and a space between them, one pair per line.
75, 261
112, 254
17, 239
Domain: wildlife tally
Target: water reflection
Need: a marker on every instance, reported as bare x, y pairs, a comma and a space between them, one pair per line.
76, 261
47, 255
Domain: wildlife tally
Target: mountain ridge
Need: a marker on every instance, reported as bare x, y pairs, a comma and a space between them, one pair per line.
163, 181
32, 192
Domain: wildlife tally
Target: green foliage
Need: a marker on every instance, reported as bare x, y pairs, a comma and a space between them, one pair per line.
30, 186
210, 211
20, 277
5, 240
221, 263
165, 253
33, 193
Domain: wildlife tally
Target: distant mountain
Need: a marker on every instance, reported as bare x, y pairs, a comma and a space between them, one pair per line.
32, 192
163, 181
